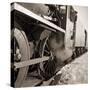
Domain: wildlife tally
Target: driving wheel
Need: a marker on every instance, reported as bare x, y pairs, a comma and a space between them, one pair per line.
19, 52
46, 68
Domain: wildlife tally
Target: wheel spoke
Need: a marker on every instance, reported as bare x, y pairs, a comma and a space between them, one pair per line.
47, 46
47, 52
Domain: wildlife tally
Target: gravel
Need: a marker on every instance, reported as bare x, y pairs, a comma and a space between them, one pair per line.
74, 73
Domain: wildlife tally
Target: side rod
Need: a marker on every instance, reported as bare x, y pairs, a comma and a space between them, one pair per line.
30, 62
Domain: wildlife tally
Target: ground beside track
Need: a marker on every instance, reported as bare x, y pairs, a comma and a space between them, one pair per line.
75, 72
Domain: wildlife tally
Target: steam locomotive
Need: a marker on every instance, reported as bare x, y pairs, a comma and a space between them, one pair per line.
40, 32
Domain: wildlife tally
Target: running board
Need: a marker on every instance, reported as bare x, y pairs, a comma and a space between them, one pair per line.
29, 13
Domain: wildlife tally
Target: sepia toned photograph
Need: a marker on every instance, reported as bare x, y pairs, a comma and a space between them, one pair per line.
49, 44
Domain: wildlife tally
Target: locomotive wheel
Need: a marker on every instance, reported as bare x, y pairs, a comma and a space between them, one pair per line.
22, 45
46, 68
